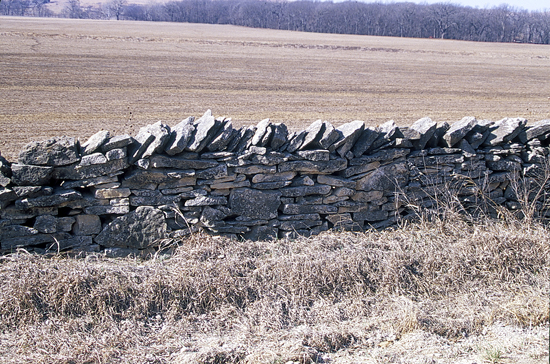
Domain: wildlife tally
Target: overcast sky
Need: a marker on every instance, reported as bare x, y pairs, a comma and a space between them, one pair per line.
523, 4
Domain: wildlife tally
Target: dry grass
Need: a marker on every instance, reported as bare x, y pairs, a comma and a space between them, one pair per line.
338, 297
75, 77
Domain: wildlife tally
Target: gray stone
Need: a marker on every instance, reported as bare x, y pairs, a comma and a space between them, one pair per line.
314, 155
46, 224
58, 151
92, 159
355, 170
273, 177
295, 209
537, 129
504, 131
279, 138
299, 224
271, 185
6, 196
299, 217
95, 142
235, 138
256, 169
420, 132
386, 178
348, 135
362, 196
329, 136
107, 210
140, 145
212, 217
118, 153
365, 141
138, 229
25, 175
381, 156
229, 185
254, 204
328, 167
302, 181
370, 216
15, 231
245, 139
305, 190
87, 225
161, 161
257, 150
266, 140
65, 224
261, 129
503, 165
78, 172
23, 241
335, 181
262, 233
180, 136
216, 172
107, 193
296, 142
206, 201
12, 213
437, 137
32, 191
479, 133
58, 198
64, 242
467, 149
154, 200
458, 131
313, 134
220, 141
89, 182
161, 133
117, 142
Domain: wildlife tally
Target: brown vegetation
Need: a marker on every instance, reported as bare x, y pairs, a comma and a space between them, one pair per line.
339, 296
76, 77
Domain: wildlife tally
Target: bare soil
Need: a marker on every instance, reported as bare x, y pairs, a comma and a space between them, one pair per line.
75, 77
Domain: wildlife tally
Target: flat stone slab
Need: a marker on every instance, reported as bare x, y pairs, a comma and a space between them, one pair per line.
458, 131
255, 204
26, 175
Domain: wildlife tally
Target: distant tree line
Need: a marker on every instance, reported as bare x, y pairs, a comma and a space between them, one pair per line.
443, 20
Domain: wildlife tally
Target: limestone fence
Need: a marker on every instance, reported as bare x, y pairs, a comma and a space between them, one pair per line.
125, 195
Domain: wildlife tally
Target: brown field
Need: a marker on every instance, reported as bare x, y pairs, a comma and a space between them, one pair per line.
75, 77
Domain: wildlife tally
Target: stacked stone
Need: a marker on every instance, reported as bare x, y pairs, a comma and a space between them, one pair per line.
125, 194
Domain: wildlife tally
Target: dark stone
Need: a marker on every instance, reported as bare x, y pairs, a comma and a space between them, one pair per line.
313, 134
213, 172
296, 142
504, 131
328, 167
162, 161
537, 129
46, 224
306, 190
139, 146
254, 204
280, 133
365, 141
386, 178
58, 198
138, 229
437, 137
206, 201
314, 155
220, 141
25, 175
421, 132
59, 151
348, 135
329, 136
262, 233
295, 209
78, 172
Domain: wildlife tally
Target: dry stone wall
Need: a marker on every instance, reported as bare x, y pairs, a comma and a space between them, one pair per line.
123, 194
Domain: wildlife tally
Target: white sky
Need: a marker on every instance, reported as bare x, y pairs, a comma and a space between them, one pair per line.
522, 4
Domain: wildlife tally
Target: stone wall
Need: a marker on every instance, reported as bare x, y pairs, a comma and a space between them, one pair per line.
123, 194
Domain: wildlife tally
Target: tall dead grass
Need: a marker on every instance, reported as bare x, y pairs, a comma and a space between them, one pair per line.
447, 277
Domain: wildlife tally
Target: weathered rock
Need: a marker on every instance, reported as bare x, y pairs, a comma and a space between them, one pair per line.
263, 233
329, 136
314, 155
313, 134
95, 142
266, 140
206, 128
206, 201
58, 198
32, 191
299, 224
161, 132
504, 131
296, 142
335, 181
245, 139
458, 131
275, 177
295, 209
370, 216
117, 142
260, 131
78, 172
180, 136
46, 224
25, 175
218, 171
107, 193
235, 139
58, 151
306, 190
536, 130
365, 141
467, 149
387, 178
220, 141
23, 241
314, 167
367, 196
279, 138
437, 137
355, 170
107, 210
14, 231
162, 161
140, 145
254, 204
212, 217
87, 225
89, 182
348, 135
256, 169
271, 185
117, 153
138, 229
421, 132
92, 159
64, 224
